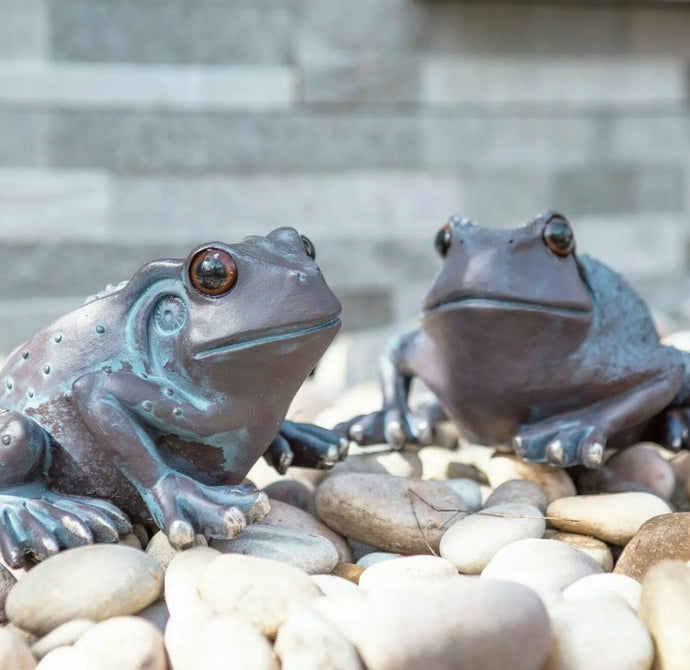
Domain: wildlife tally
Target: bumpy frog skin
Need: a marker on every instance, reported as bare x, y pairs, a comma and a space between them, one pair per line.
159, 394
524, 342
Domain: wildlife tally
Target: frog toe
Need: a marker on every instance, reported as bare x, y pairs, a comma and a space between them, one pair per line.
180, 533
673, 429
313, 446
562, 445
104, 521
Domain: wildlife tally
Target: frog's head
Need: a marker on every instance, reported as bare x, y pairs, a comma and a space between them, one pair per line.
259, 303
528, 275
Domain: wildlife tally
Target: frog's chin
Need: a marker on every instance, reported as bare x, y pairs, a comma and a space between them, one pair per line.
487, 303
269, 338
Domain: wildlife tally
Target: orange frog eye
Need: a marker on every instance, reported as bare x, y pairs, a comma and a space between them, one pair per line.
559, 236
213, 272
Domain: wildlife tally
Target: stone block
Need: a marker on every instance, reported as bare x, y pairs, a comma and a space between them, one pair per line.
362, 204
84, 86
39, 205
22, 29
197, 141
475, 141
174, 31
660, 30
361, 81
555, 82
510, 28
23, 137
73, 268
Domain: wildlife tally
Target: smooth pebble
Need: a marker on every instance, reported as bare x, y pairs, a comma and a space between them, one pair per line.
451, 624
376, 557
397, 463
217, 642
547, 566
301, 549
124, 643
518, 491
69, 658
14, 653
468, 490
292, 492
182, 579
599, 585
665, 610
471, 542
66, 634
330, 585
612, 517
554, 482
643, 464
597, 549
160, 549
598, 634
309, 640
96, 582
406, 569
7, 581
665, 537
257, 590
349, 571
395, 514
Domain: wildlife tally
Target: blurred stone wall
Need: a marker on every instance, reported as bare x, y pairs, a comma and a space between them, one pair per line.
133, 129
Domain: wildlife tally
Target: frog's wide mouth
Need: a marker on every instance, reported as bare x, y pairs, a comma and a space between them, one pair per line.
453, 304
275, 336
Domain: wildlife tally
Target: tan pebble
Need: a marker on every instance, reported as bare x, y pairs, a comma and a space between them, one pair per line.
349, 571
257, 590
395, 514
124, 643
518, 491
665, 537
64, 635
642, 463
14, 653
555, 483
612, 517
665, 610
597, 549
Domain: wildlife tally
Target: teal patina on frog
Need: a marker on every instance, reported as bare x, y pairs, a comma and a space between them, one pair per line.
154, 399
526, 343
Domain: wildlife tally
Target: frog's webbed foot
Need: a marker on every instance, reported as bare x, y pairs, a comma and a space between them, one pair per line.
37, 523
305, 445
671, 429
561, 443
393, 427
183, 507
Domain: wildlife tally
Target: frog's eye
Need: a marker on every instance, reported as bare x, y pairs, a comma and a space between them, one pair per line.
309, 247
213, 272
559, 236
442, 240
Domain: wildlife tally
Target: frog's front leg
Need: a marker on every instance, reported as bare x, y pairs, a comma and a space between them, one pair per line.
579, 436
117, 407
395, 422
305, 445
35, 521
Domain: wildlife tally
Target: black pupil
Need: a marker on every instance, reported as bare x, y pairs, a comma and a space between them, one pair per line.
442, 241
560, 234
211, 273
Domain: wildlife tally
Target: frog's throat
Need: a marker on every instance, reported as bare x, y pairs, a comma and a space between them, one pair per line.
453, 304
280, 336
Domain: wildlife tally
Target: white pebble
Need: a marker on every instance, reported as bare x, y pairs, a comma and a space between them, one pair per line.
599, 585
406, 569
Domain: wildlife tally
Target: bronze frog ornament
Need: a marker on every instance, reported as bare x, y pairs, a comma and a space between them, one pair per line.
524, 342
154, 398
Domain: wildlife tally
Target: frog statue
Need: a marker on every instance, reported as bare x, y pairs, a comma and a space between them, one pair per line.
525, 343
154, 398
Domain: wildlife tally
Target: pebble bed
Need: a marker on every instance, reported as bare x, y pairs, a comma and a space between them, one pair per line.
429, 558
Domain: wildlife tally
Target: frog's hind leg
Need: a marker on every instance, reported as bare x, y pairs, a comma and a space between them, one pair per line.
34, 521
